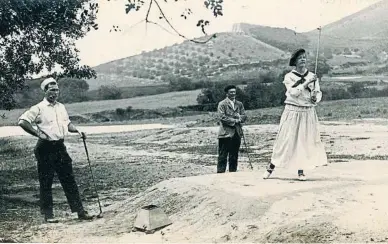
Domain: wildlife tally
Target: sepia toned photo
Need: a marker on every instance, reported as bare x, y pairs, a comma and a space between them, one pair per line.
186, 121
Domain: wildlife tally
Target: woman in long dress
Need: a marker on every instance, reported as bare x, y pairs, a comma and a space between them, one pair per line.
298, 145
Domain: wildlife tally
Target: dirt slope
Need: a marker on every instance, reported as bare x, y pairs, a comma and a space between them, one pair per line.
341, 202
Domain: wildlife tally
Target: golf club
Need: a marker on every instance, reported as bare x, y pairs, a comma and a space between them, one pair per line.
246, 148
91, 172
316, 58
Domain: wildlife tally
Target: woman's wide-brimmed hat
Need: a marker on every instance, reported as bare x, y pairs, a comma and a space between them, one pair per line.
295, 55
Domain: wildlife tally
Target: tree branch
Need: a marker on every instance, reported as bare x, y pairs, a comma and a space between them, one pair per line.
148, 12
154, 23
172, 27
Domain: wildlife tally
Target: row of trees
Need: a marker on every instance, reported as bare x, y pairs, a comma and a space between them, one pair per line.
269, 91
76, 90
266, 91
71, 90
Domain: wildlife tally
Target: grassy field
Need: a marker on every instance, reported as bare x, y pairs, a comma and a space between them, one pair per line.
352, 78
171, 99
328, 110
339, 60
354, 109
129, 92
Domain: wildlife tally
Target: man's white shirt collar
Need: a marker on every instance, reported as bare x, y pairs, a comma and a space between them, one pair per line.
232, 101
46, 102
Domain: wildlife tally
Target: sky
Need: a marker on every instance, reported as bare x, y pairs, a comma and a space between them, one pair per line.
101, 46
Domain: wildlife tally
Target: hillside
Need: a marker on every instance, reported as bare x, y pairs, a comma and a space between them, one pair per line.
358, 38
362, 28
281, 38
353, 44
187, 59
362, 33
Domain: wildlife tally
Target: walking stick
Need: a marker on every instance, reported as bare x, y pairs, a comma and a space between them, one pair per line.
91, 172
246, 148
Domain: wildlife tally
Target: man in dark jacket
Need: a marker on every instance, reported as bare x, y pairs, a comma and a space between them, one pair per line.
231, 114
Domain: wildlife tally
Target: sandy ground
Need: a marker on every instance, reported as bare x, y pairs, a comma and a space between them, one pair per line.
338, 203
174, 169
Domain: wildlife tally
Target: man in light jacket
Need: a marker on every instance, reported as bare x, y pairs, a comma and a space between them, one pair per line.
231, 115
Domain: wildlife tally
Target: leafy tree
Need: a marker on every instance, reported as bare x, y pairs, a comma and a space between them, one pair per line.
72, 90
181, 83
40, 35
110, 92
356, 89
335, 94
337, 51
266, 91
30, 95
323, 66
347, 51
215, 93
328, 53
262, 95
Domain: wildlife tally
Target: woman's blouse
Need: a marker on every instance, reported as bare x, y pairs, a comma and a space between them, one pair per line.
296, 94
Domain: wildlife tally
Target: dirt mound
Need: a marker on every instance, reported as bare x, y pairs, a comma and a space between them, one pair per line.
341, 202
344, 202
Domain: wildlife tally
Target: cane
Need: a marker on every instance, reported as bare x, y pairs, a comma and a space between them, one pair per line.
246, 148
91, 172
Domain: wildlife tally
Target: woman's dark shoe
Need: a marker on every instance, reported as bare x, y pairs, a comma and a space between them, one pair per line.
301, 175
269, 171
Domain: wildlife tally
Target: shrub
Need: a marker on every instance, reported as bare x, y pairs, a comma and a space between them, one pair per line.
120, 111
266, 91
129, 109
109, 92
181, 84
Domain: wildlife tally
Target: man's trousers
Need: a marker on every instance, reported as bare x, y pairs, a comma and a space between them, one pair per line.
228, 147
52, 157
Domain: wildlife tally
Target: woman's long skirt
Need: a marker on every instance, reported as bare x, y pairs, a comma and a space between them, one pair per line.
298, 145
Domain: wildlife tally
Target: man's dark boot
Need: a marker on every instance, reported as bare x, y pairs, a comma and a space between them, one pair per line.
83, 215
49, 218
